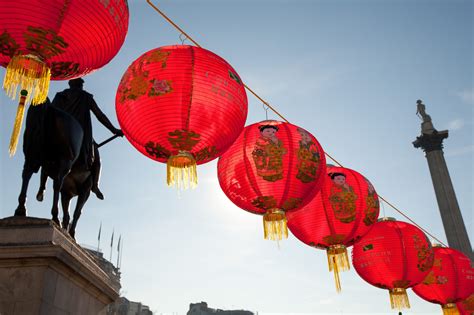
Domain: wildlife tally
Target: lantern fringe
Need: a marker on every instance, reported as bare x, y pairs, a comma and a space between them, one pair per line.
29, 73
181, 171
20, 113
399, 298
338, 260
450, 309
274, 225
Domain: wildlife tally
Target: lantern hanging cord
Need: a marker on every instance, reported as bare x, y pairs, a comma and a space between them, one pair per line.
265, 108
182, 38
183, 33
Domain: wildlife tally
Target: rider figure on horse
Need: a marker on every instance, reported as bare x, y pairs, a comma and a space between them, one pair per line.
79, 103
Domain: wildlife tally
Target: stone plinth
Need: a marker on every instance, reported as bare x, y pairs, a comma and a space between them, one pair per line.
43, 271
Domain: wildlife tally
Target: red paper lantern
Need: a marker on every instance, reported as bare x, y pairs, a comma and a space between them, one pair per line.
393, 255
57, 39
182, 105
67, 39
466, 307
450, 280
337, 217
272, 168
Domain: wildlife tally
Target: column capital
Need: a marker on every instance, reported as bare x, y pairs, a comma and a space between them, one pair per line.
431, 142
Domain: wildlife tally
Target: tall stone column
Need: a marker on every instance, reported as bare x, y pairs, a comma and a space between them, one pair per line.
431, 141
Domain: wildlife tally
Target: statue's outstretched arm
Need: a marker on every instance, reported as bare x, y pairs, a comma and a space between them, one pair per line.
103, 118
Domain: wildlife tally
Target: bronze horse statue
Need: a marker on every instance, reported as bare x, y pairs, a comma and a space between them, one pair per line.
52, 141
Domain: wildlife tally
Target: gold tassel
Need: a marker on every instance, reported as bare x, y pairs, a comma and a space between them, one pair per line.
399, 298
274, 225
181, 171
18, 122
29, 73
338, 260
450, 309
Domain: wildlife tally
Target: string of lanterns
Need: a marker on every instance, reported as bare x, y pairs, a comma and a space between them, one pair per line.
185, 106
278, 170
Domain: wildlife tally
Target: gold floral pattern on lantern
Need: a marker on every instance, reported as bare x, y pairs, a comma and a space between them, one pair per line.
207, 153
425, 254
291, 203
308, 158
334, 239
134, 83
432, 279
372, 205
64, 69
157, 150
8, 45
265, 202
158, 56
44, 43
371, 209
183, 140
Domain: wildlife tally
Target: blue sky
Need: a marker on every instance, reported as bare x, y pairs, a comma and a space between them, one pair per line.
348, 71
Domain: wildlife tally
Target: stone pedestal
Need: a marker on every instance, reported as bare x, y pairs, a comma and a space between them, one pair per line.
43, 271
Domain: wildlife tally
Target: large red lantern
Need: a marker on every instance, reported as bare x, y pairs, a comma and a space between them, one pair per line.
181, 105
450, 280
57, 39
395, 256
337, 217
272, 168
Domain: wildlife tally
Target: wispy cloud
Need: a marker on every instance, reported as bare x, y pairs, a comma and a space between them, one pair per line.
461, 151
467, 96
456, 124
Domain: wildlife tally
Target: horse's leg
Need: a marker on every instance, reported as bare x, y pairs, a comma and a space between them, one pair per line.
65, 200
40, 194
81, 200
64, 168
26, 176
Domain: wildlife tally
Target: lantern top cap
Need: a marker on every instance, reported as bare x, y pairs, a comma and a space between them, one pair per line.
270, 122
386, 219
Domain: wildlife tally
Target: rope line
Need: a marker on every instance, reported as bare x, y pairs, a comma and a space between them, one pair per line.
283, 118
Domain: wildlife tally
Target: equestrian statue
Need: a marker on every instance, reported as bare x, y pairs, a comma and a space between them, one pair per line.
58, 140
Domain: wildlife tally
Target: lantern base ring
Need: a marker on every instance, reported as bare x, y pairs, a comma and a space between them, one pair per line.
181, 170
274, 225
450, 309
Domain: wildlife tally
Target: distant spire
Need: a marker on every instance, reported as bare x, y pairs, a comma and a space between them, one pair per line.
111, 244
121, 254
98, 237
118, 250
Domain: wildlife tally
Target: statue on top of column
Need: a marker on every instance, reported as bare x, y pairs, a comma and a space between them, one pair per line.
426, 125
